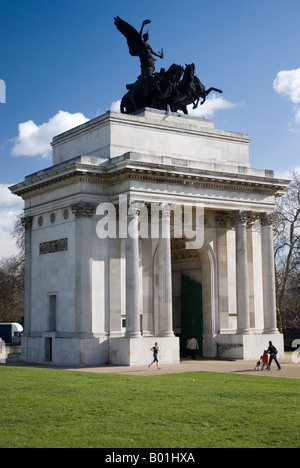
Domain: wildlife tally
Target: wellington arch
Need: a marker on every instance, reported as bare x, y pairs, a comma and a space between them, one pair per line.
96, 298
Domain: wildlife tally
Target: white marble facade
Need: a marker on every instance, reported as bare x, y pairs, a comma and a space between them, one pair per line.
96, 301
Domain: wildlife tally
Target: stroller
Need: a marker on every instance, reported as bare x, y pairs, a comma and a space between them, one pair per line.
259, 364
263, 362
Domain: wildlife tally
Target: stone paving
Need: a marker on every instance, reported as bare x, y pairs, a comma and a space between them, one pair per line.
290, 369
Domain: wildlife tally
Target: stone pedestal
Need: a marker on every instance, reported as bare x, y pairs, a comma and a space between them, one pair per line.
136, 351
248, 347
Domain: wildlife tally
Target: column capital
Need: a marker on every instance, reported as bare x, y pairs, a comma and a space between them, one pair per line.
166, 208
241, 217
267, 219
27, 222
84, 209
135, 208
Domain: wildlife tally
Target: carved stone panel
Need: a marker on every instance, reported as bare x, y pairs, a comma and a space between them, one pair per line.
60, 245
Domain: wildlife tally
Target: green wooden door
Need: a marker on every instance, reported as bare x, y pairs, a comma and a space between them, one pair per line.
191, 312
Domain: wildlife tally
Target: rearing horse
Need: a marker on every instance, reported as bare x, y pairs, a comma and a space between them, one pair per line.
190, 90
167, 82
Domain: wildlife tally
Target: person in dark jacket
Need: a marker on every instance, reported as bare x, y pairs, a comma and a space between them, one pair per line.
272, 351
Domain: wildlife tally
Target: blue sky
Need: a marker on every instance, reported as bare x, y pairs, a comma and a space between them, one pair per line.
63, 61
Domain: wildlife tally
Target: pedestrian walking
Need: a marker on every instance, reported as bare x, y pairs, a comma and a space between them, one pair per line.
272, 351
192, 346
155, 349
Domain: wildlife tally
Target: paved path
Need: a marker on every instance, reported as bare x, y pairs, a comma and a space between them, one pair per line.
289, 369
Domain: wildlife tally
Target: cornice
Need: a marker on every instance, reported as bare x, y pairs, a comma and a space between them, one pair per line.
148, 173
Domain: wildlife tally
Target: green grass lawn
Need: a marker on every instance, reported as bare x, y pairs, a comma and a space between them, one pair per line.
60, 408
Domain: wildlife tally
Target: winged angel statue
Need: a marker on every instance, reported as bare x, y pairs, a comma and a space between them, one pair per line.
161, 90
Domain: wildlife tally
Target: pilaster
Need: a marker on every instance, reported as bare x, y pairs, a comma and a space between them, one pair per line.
268, 269
132, 273
242, 274
165, 271
84, 212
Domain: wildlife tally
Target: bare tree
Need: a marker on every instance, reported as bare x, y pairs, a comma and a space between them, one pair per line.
18, 233
287, 255
12, 289
12, 279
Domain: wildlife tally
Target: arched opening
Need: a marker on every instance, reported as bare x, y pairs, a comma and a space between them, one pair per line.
200, 268
187, 277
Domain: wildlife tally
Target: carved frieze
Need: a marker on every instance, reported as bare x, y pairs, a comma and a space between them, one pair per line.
222, 219
60, 245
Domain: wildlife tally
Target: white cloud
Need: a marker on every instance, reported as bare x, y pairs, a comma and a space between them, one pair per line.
115, 107
287, 83
10, 207
286, 174
297, 115
211, 106
34, 140
208, 109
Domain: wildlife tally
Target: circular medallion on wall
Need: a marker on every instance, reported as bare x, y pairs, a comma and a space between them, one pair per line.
66, 214
52, 218
40, 221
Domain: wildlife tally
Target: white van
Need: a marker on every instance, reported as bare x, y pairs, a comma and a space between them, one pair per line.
11, 332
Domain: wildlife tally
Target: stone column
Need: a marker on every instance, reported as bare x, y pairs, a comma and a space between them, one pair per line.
242, 275
132, 274
165, 271
268, 269
27, 223
221, 220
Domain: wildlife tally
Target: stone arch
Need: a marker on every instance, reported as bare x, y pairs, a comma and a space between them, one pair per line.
208, 262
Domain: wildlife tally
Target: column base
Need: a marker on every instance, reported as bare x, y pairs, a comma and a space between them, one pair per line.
167, 333
133, 335
272, 331
244, 331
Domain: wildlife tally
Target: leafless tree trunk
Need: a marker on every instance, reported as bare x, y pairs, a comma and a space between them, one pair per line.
287, 255
12, 280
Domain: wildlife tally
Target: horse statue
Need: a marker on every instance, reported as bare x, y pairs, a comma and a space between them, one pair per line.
167, 82
141, 95
190, 90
